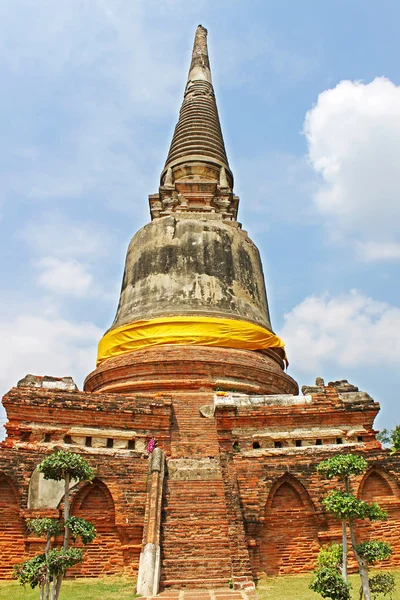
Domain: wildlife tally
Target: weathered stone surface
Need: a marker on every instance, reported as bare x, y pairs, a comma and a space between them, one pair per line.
184, 266
232, 399
311, 389
207, 411
189, 469
355, 397
47, 382
45, 493
156, 460
343, 386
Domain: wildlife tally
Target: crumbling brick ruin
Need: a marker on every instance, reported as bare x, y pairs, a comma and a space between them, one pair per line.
191, 358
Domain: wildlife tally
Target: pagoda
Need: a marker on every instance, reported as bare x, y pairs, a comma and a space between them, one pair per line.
191, 359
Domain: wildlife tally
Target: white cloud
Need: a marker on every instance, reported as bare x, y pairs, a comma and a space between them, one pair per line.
64, 276
350, 330
379, 251
43, 343
353, 135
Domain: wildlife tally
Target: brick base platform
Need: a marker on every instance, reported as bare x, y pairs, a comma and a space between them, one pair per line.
240, 496
217, 594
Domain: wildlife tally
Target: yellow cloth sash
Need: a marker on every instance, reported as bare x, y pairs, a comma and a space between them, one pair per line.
202, 331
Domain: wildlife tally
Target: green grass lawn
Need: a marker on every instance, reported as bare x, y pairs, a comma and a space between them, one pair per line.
118, 588
296, 588
107, 588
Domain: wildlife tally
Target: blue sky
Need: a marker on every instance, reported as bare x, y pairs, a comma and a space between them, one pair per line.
309, 100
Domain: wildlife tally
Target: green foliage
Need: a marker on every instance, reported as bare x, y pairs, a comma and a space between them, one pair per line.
376, 513
329, 583
31, 572
330, 556
390, 436
396, 439
374, 550
384, 436
342, 466
57, 465
81, 528
46, 527
346, 506
382, 583
59, 560
47, 570
328, 580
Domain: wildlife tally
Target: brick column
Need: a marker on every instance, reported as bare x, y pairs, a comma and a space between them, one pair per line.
149, 563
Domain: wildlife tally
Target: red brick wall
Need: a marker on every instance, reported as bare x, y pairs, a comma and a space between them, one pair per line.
281, 492
378, 486
195, 533
105, 555
115, 503
11, 529
289, 535
262, 504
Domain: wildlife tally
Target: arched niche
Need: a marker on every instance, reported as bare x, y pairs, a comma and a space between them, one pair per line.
94, 502
289, 534
104, 556
286, 496
377, 486
9, 500
45, 493
12, 530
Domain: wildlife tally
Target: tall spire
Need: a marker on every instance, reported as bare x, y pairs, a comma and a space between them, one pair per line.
192, 276
200, 65
197, 139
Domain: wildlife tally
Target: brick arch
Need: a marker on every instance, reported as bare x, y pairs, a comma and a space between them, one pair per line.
289, 534
293, 486
95, 503
379, 486
12, 530
104, 556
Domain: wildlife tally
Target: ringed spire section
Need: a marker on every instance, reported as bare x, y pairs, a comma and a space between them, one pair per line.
198, 134
196, 176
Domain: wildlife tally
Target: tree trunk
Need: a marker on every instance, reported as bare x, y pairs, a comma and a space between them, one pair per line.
344, 547
66, 510
54, 588
362, 565
66, 531
57, 586
47, 579
344, 537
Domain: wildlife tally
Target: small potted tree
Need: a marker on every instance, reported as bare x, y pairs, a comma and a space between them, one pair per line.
47, 569
344, 505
